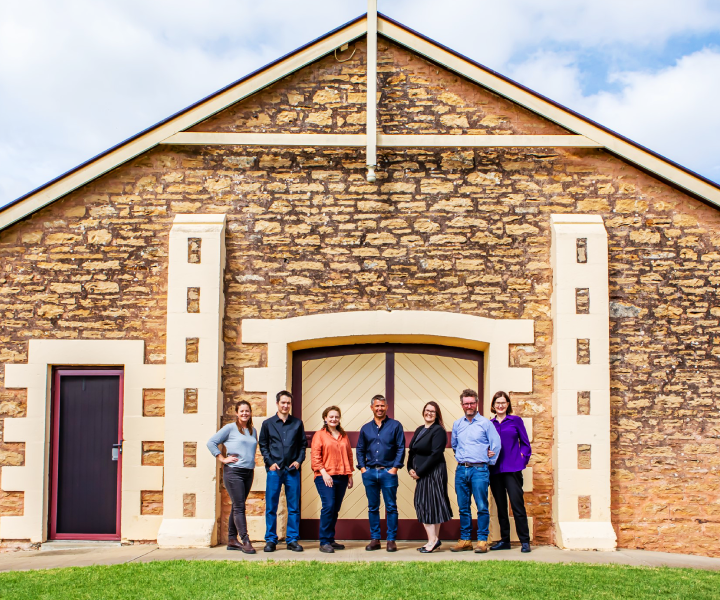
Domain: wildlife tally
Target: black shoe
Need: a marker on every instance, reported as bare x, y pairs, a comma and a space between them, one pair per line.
269, 547
424, 550
337, 546
525, 547
294, 546
327, 548
500, 546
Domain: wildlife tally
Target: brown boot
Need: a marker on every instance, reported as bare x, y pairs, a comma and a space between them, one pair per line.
373, 545
391, 546
233, 544
247, 547
462, 546
482, 547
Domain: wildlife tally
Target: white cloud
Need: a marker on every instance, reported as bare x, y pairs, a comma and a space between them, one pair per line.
78, 76
672, 111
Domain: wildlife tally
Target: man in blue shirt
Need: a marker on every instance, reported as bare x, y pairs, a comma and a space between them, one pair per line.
380, 453
476, 444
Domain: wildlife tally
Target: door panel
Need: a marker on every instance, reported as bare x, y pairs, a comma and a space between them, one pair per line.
85, 500
345, 381
420, 378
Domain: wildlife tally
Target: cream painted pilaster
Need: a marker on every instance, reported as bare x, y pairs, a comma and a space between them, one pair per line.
580, 270
200, 483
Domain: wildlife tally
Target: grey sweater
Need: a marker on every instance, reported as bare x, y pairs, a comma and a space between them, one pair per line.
239, 444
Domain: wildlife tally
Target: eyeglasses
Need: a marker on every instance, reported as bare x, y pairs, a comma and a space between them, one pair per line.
469, 404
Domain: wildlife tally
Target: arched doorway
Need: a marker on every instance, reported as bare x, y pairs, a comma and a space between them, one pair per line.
408, 375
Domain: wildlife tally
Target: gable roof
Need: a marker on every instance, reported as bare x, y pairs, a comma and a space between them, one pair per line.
646, 160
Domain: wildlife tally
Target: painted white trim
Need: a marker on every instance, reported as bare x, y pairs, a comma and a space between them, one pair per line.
371, 90
412, 326
562, 117
34, 430
383, 140
350, 140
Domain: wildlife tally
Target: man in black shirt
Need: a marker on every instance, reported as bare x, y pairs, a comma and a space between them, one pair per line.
283, 445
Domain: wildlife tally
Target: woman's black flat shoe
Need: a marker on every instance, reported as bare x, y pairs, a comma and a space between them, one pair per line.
424, 550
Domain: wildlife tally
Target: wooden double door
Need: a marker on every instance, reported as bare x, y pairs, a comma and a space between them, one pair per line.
408, 376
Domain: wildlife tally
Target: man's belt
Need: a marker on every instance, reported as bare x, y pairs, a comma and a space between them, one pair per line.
469, 464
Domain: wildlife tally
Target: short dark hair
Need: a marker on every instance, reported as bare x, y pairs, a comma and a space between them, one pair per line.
377, 397
281, 394
469, 394
501, 395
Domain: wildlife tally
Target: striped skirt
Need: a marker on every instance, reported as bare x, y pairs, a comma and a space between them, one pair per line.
432, 504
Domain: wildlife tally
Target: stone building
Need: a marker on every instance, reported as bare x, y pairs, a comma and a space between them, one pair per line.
457, 230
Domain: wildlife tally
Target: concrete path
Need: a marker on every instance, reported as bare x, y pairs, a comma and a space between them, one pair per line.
81, 554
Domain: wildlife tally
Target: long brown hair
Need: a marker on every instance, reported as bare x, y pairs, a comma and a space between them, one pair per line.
325, 413
438, 413
237, 419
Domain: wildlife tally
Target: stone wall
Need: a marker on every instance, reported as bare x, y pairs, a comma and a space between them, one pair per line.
452, 230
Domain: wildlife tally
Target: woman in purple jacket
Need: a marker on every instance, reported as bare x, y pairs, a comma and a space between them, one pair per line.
506, 479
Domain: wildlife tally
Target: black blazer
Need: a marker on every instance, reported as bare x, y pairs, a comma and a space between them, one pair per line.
282, 442
427, 452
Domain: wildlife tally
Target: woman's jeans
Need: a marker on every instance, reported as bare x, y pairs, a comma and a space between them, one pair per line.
290, 478
237, 482
376, 481
472, 482
331, 498
504, 485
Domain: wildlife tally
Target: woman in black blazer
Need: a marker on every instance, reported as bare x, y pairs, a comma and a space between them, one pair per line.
426, 464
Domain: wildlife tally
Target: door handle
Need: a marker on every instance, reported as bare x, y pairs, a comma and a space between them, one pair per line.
117, 451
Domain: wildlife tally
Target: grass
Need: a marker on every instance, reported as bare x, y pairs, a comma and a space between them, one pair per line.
357, 581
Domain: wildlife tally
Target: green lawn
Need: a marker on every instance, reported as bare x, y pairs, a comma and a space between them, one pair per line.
315, 581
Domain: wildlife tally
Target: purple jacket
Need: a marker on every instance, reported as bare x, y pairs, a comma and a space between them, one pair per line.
516, 450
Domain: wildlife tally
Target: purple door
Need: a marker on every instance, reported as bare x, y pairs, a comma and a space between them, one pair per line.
86, 454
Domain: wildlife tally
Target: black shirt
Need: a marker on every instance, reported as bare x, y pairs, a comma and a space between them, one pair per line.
282, 442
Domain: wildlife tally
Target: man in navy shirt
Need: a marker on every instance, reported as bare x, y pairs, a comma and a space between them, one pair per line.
380, 453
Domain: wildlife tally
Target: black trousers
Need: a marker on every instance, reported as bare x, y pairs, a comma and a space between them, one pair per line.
504, 485
237, 482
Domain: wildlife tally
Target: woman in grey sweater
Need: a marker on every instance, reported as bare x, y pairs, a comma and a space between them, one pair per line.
240, 441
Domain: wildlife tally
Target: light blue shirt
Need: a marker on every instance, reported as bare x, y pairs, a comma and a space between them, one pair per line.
471, 440
238, 444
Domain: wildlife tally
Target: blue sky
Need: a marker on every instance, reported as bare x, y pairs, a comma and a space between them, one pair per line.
78, 76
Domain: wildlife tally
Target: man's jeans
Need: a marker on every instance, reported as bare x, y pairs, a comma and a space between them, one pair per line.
376, 481
275, 480
473, 482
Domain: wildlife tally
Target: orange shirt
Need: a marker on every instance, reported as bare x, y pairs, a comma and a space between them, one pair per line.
335, 456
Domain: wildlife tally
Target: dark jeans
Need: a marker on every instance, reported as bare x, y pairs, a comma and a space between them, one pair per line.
275, 480
377, 481
504, 485
331, 498
472, 482
237, 482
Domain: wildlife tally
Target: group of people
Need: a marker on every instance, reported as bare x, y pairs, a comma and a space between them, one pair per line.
489, 454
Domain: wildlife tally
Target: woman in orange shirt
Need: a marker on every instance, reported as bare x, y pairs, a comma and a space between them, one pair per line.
332, 463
